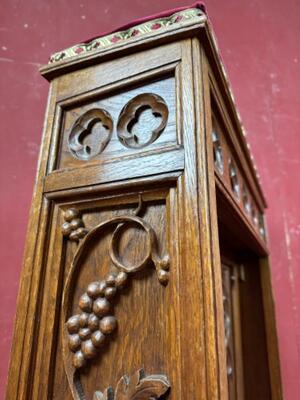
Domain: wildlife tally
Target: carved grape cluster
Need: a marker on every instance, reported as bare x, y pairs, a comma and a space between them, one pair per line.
88, 330
162, 266
73, 227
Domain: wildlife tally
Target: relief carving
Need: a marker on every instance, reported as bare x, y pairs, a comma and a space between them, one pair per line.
131, 131
140, 123
137, 387
87, 127
73, 227
87, 332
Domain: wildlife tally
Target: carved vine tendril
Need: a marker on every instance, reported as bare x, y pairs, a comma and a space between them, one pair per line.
86, 333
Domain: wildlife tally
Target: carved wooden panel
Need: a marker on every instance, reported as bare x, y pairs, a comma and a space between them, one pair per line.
121, 295
116, 291
119, 124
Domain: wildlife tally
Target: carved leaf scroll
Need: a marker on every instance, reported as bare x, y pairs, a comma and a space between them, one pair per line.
138, 387
85, 334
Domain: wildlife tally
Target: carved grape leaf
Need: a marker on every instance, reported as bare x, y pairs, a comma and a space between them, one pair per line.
137, 387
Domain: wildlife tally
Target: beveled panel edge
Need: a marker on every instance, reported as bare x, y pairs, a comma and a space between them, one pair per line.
118, 170
164, 180
119, 71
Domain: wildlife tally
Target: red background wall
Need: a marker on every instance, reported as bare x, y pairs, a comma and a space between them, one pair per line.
259, 41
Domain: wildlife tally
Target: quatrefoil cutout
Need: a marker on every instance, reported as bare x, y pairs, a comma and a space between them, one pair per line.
90, 134
142, 120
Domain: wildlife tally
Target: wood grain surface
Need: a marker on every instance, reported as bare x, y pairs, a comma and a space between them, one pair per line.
121, 294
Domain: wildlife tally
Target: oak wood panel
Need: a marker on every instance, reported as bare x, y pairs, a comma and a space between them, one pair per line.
170, 321
142, 321
120, 69
188, 213
165, 88
126, 168
213, 309
33, 268
203, 106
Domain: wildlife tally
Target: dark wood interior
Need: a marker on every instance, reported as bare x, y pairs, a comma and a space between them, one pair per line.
250, 375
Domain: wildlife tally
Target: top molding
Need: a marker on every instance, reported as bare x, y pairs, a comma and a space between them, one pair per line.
164, 29
140, 30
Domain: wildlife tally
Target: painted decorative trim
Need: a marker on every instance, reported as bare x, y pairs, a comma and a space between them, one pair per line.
116, 37
138, 387
85, 333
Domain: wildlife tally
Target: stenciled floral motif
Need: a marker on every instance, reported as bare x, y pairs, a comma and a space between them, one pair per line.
116, 37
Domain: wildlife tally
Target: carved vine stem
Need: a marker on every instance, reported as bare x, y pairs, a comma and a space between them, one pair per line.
86, 333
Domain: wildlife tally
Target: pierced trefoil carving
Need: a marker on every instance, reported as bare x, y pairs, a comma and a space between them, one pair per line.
132, 112
84, 127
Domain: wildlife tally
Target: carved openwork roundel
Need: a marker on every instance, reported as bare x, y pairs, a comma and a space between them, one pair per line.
90, 134
142, 120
